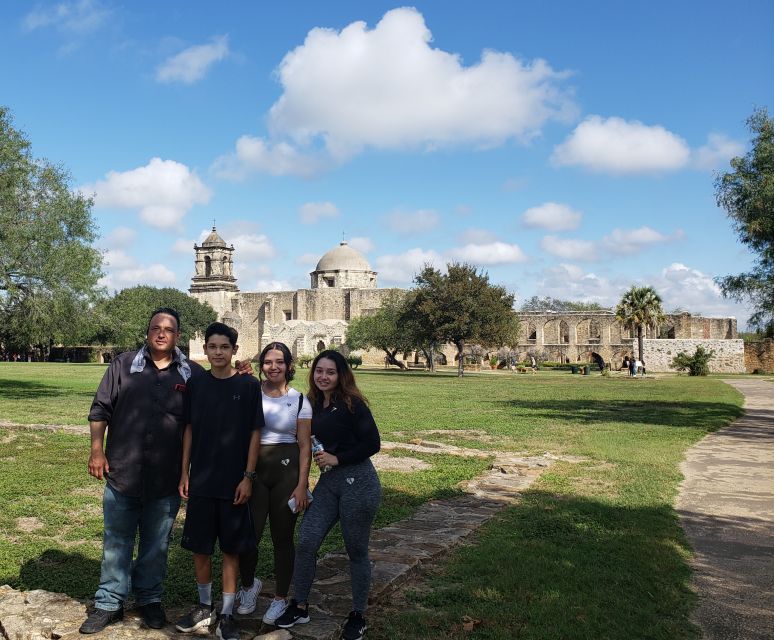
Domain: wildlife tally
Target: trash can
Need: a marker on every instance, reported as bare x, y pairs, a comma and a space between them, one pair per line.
586, 370
573, 369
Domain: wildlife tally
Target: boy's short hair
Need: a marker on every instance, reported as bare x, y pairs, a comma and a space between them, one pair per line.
167, 311
218, 328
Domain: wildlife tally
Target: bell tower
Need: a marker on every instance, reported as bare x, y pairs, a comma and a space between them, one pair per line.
214, 278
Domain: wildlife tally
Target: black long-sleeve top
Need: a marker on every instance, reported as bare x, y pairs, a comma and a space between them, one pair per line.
352, 436
145, 415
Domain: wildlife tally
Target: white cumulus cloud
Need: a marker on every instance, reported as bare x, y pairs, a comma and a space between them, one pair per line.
122, 270
388, 88
257, 155
192, 64
163, 191
477, 236
120, 237
74, 18
362, 244
617, 146
489, 254
552, 216
410, 222
312, 212
570, 282
628, 241
717, 152
569, 249
400, 269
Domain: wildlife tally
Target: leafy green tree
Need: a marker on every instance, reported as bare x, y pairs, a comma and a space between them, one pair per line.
547, 303
640, 307
747, 195
124, 317
697, 364
48, 267
463, 307
382, 330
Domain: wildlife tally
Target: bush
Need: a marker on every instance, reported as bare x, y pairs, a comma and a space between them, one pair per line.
696, 365
304, 360
354, 361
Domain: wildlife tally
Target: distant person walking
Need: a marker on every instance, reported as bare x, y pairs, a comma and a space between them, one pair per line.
348, 490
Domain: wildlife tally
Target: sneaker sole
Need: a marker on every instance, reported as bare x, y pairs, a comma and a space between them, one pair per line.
217, 633
199, 625
243, 611
295, 622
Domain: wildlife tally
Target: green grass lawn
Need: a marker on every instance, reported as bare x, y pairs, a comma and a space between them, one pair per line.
593, 551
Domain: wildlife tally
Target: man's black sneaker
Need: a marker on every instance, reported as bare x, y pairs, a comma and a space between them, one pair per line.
99, 619
153, 615
354, 627
227, 629
202, 615
293, 615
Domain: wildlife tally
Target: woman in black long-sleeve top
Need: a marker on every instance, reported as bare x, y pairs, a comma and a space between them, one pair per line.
348, 489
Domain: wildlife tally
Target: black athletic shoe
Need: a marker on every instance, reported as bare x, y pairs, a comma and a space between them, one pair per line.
293, 615
99, 619
201, 616
153, 615
227, 629
354, 627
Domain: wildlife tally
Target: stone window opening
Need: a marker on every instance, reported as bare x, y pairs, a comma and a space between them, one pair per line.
288, 314
329, 282
320, 346
531, 334
595, 335
564, 332
207, 266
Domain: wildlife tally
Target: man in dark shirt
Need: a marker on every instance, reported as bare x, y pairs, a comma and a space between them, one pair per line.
140, 404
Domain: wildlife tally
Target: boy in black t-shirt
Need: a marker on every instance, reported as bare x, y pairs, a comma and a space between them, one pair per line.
220, 445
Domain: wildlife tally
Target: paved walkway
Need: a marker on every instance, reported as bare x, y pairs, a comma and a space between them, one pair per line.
726, 507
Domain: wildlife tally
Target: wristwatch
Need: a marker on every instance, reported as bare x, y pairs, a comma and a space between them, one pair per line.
251, 474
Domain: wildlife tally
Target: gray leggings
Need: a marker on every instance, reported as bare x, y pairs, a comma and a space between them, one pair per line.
349, 494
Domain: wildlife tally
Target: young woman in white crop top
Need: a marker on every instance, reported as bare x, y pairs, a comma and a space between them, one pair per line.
282, 475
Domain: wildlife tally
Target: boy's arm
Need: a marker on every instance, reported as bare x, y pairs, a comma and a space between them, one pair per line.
245, 488
183, 486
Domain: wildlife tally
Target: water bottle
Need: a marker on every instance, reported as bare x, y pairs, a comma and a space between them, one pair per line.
318, 446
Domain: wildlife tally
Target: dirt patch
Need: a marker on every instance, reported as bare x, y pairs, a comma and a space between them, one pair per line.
8, 439
94, 490
28, 524
403, 465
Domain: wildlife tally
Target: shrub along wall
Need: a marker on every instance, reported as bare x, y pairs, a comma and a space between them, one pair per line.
729, 354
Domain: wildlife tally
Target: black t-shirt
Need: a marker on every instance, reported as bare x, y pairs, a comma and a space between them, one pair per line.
223, 413
352, 436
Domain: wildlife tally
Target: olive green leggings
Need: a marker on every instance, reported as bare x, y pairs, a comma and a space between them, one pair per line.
276, 480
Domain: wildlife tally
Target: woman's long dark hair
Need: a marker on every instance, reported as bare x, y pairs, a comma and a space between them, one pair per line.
345, 390
290, 368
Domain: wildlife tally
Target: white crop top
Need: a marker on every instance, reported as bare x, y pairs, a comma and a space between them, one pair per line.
280, 415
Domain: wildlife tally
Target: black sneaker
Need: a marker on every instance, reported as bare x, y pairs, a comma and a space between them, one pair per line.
201, 616
227, 629
293, 615
354, 627
99, 619
153, 615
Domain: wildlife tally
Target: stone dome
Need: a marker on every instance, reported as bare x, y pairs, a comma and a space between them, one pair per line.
214, 240
343, 258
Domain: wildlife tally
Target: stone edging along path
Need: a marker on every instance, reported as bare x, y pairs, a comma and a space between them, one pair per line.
396, 552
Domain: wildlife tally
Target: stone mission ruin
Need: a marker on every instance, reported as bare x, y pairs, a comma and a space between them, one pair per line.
343, 286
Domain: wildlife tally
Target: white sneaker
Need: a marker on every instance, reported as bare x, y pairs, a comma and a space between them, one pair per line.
249, 597
275, 610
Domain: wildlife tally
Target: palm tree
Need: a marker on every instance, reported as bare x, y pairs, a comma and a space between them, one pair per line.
639, 307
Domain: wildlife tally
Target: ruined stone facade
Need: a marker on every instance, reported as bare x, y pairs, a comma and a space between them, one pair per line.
576, 336
728, 356
344, 287
759, 356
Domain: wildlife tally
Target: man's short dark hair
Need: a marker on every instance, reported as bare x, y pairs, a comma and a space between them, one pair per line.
169, 311
218, 328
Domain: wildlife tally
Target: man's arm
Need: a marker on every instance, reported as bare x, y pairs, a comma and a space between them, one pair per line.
245, 488
184, 476
98, 463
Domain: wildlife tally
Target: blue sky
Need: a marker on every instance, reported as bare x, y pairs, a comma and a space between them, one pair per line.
567, 148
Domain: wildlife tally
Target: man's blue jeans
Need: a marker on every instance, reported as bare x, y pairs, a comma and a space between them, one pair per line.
124, 516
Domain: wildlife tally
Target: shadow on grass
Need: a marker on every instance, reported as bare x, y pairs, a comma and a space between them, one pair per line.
59, 571
708, 416
26, 390
567, 567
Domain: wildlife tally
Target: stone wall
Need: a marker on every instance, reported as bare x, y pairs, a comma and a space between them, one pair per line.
759, 356
729, 354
